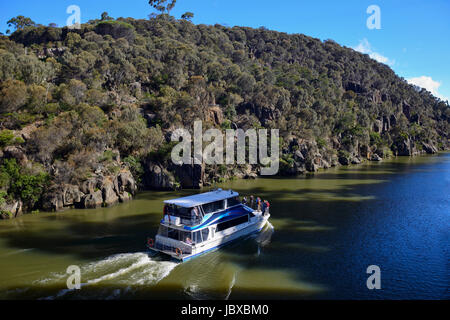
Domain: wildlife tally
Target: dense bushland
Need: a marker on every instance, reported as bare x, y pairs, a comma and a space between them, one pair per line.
108, 95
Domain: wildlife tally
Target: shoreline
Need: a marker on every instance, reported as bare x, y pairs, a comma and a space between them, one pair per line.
207, 188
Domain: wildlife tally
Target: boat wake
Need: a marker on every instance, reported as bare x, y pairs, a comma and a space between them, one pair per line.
124, 271
265, 236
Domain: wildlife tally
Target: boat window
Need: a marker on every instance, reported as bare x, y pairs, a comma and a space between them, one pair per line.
214, 206
181, 212
205, 233
198, 237
233, 201
232, 223
173, 234
162, 231
187, 237
180, 235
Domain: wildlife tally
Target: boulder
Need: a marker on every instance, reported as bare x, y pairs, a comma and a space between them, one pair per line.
93, 200
355, 160
109, 194
375, 157
299, 157
429, 148
251, 176
344, 161
334, 161
311, 166
71, 195
11, 210
325, 164
404, 148
126, 182
299, 167
26, 132
158, 178
215, 115
12, 152
53, 202
89, 185
124, 197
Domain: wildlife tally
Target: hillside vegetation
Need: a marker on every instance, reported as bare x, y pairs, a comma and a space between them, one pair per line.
86, 115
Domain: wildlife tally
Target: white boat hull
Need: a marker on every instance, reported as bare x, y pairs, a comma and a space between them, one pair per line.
220, 239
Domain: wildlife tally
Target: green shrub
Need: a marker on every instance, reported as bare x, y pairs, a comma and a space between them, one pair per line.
321, 143
164, 152
6, 138
9, 213
3, 196
135, 166
26, 186
116, 29
108, 156
375, 138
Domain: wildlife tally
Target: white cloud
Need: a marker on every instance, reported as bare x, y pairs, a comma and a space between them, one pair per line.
365, 47
429, 84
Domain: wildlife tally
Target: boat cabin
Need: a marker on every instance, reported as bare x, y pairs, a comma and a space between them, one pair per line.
199, 223
191, 211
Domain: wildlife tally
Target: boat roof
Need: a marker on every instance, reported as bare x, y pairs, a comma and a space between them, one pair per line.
203, 198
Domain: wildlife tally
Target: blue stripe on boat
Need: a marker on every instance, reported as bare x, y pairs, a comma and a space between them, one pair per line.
226, 215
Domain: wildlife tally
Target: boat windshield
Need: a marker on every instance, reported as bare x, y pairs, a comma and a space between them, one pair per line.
214, 206
233, 202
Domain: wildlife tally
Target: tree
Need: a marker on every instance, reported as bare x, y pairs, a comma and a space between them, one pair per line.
20, 22
53, 25
170, 6
13, 95
163, 5
187, 16
106, 17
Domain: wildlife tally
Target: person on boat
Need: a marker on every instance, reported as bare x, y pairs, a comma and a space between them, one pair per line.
194, 214
264, 206
267, 205
244, 201
188, 240
252, 201
166, 212
258, 203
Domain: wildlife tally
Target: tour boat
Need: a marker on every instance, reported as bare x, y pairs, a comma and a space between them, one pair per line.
201, 223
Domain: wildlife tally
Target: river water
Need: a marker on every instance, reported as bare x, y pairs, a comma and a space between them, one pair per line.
326, 229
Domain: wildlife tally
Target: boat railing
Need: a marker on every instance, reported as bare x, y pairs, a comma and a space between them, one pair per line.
177, 221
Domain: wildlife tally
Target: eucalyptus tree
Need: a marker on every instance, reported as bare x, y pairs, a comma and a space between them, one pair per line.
163, 5
20, 22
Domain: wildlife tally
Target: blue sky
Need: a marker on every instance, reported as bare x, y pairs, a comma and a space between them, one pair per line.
413, 39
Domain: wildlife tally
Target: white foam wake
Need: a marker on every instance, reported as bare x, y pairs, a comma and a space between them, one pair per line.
131, 269
265, 236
